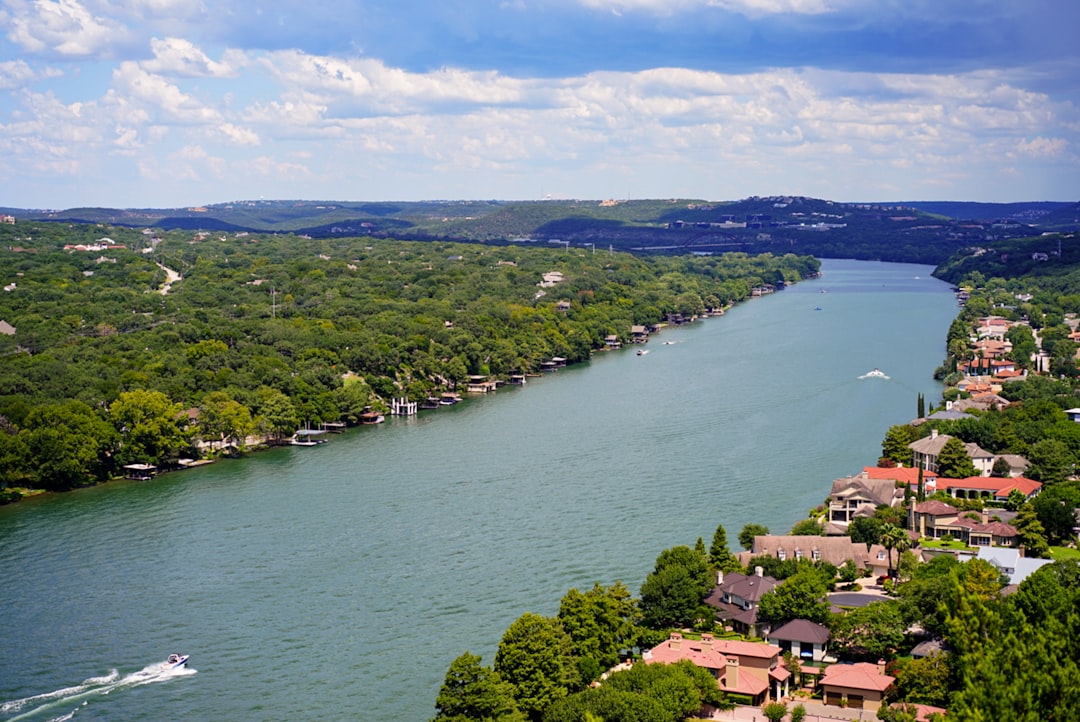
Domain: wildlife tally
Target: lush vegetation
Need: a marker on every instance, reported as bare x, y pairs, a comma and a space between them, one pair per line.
266, 334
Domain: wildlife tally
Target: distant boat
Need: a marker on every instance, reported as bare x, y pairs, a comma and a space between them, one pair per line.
175, 661
875, 374
642, 352
817, 308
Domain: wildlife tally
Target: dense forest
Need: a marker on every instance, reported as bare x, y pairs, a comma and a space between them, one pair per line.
110, 361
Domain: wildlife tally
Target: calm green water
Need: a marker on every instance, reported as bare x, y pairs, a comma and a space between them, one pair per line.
339, 582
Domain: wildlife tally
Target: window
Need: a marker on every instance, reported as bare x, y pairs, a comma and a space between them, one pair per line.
781, 554
816, 554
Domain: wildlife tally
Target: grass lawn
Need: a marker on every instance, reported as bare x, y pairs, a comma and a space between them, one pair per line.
941, 544
1060, 553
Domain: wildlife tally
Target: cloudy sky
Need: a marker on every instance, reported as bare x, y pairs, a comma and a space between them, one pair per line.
140, 103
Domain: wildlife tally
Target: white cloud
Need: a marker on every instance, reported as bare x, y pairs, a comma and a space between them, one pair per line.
65, 27
181, 58
1043, 147
160, 98
19, 74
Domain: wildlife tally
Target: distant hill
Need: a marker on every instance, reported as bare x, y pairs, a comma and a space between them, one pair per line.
920, 232
1032, 213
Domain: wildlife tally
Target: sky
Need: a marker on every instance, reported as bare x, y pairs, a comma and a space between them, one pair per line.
172, 103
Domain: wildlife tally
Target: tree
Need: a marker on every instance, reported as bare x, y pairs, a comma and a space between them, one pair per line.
149, 427
895, 444
893, 538
1056, 509
801, 596
798, 713
866, 530
1001, 468
807, 527
672, 593
746, 536
924, 680
223, 420
868, 633
68, 446
720, 557
1051, 461
473, 692
601, 623
535, 657
920, 407
953, 462
275, 413
774, 711
1031, 532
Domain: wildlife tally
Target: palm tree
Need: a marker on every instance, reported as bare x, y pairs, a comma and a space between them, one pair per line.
893, 537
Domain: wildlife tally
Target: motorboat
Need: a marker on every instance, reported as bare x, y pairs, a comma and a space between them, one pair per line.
175, 661
875, 374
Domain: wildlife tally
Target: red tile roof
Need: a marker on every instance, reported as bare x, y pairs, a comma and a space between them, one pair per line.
861, 675
701, 653
904, 474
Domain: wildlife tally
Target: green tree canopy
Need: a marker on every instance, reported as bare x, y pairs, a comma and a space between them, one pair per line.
672, 593
535, 656
474, 693
746, 536
801, 596
600, 622
720, 556
953, 461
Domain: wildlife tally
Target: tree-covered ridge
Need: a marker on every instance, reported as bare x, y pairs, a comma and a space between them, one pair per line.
778, 224
262, 334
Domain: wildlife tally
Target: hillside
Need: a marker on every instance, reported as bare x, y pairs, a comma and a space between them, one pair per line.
917, 232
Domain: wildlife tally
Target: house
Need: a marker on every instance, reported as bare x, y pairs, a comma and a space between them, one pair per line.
736, 598
749, 669
6, 328
805, 640
857, 686
562, 306
1011, 561
833, 549
925, 452
611, 341
639, 333
1073, 414
989, 487
935, 519
1017, 464
861, 495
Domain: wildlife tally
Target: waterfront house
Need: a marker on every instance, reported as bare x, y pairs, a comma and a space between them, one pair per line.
736, 598
925, 452
832, 549
750, 670
861, 495
857, 686
639, 333
989, 487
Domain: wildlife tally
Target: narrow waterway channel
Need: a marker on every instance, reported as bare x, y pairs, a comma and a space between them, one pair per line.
339, 582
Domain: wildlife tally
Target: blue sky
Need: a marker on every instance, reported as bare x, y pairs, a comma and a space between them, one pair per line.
160, 103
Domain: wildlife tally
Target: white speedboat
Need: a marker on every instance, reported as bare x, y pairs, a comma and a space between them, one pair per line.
175, 661
875, 374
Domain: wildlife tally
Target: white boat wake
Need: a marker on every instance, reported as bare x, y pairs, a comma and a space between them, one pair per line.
40, 704
875, 374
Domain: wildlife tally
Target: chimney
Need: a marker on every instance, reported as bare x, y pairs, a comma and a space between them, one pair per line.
759, 572
933, 433
881, 666
706, 640
676, 640
719, 577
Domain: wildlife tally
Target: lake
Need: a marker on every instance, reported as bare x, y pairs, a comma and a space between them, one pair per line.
339, 582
